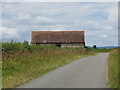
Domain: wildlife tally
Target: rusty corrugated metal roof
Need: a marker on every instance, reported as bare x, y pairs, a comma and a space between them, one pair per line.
57, 36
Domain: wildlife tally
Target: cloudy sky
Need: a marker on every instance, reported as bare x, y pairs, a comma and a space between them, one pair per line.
97, 19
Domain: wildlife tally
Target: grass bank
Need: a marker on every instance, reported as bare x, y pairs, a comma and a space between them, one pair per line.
23, 62
113, 69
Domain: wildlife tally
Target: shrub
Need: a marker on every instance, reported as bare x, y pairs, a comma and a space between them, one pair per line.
94, 46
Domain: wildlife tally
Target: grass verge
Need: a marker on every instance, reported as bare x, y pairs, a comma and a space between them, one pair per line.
113, 69
23, 62
22, 66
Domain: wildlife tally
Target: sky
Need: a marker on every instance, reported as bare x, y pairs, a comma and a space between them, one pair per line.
99, 20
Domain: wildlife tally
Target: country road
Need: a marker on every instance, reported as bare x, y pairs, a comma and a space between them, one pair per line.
89, 72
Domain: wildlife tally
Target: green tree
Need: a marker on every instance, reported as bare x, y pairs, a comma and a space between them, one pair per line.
94, 46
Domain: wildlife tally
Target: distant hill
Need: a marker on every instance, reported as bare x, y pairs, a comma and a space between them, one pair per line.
106, 47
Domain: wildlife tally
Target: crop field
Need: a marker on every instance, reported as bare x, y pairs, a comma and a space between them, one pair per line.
23, 62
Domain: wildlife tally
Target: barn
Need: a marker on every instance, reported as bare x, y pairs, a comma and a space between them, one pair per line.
59, 38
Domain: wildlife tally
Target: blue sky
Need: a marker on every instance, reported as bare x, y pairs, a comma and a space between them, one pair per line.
98, 19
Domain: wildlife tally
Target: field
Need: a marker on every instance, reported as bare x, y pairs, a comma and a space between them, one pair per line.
23, 62
113, 69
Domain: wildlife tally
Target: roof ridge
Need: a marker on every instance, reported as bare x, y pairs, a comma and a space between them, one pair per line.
59, 31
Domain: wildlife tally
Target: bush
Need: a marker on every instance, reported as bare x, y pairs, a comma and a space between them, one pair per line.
94, 46
25, 46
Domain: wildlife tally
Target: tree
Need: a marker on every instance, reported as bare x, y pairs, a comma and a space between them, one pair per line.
94, 46
25, 43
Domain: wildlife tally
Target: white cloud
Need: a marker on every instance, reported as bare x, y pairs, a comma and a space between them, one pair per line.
23, 17
43, 19
95, 18
108, 28
112, 14
10, 33
103, 35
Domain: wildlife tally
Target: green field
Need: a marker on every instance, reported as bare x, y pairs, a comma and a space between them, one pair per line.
23, 62
113, 69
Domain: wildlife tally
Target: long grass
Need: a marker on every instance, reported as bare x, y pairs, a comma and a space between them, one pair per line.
0, 65
113, 69
23, 62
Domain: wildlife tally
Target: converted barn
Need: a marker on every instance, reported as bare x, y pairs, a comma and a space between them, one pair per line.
59, 38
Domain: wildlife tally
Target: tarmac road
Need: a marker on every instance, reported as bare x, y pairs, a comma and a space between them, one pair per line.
89, 72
